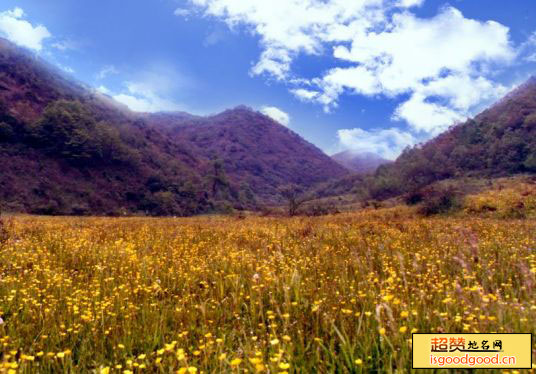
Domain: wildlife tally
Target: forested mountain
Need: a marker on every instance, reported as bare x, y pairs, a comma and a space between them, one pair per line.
257, 152
500, 141
67, 149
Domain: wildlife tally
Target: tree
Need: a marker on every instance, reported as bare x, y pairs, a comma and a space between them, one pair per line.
70, 131
218, 180
295, 198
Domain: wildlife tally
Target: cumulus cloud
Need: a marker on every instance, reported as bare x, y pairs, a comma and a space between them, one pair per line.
439, 67
387, 143
15, 28
276, 114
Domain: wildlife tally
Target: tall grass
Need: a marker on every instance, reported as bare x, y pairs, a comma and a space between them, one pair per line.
338, 294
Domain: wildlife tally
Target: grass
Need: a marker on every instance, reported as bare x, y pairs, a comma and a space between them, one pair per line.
335, 294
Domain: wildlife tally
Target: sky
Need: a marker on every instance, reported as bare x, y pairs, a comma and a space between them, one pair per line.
362, 75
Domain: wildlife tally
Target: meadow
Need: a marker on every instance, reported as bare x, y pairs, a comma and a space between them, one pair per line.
334, 294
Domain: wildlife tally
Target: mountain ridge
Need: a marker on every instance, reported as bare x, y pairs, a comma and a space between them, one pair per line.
59, 134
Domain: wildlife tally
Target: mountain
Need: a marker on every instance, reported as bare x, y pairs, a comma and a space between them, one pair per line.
67, 149
256, 151
500, 141
360, 162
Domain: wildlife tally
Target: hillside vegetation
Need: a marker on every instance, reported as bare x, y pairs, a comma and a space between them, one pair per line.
67, 149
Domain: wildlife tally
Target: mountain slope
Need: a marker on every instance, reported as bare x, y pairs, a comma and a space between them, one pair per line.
66, 149
360, 162
257, 151
500, 141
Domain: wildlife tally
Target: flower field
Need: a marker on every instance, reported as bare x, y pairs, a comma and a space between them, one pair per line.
336, 294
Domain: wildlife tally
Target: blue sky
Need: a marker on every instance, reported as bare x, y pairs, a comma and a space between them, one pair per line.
366, 75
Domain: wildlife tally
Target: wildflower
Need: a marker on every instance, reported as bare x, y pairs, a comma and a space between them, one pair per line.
382, 331
236, 362
359, 361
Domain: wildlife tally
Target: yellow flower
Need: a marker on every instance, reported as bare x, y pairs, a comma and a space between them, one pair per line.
403, 329
222, 357
236, 362
274, 341
359, 361
382, 331
284, 366
192, 370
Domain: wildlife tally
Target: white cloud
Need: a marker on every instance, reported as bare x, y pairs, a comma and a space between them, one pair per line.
425, 116
106, 71
104, 90
441, 67
289, 27
150, 90
528, 48
387, 143
181, 12
20, 31
411, 50
410, 3
276, 114
142, 98
66, 69
305, 95
64, 45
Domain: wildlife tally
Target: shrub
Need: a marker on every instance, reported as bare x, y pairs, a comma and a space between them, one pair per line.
439, 200
413, 198
321, 209
4, 234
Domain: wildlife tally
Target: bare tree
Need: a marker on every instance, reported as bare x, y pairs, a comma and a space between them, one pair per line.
295, 197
